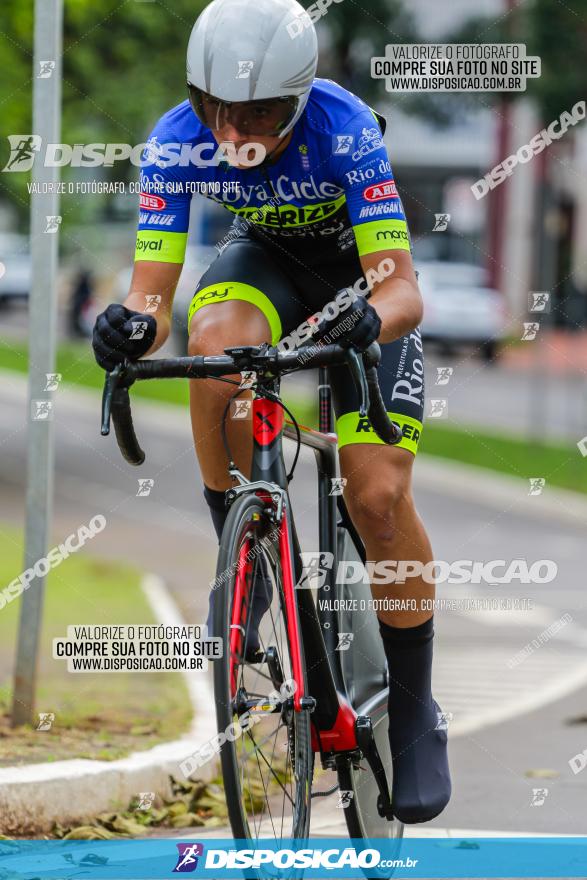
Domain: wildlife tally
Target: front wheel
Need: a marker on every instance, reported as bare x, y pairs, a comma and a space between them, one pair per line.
266, 756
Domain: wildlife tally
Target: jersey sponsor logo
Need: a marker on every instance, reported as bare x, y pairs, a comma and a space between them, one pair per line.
151, 203
377, 191
289, 215
286, 188
393, 234
369, 141
392, 207
360, 175
409, 387
408, 431
146, 219
152, 245
216, 293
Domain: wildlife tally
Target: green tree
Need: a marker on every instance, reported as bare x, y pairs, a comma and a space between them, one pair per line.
123, 65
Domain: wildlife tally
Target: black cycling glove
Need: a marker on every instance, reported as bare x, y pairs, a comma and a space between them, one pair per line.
358, 325
120, 333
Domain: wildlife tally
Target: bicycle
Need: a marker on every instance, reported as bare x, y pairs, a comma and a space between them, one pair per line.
337, 704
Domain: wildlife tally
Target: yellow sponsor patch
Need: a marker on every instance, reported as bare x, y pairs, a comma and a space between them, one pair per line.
162, 247
351, 428
382, 235
289, 215
232, 290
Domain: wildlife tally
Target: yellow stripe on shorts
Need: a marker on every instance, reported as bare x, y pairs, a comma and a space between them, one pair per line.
351, 428
233, 290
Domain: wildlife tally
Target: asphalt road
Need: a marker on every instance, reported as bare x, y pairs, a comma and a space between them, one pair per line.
510, 720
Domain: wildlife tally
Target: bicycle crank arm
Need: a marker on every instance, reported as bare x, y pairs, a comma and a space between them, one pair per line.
366, 743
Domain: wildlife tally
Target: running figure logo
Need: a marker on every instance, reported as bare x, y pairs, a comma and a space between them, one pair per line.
441, 222
539, 301
316, 565
41, 410
338, 484
244, 69
139, 329
187, 860
438, 408
241, 409
53, 380
443, 375
344, 641
22, 151
53, 223
344, 799
531, 329
153, 300
46, 719
537, 484
46, 69
343, 143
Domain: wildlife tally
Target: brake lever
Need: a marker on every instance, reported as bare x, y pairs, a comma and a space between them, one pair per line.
357, 368
117, 378
110, 386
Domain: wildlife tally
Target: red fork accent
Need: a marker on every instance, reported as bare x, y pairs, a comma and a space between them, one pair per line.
293, 630
239, 611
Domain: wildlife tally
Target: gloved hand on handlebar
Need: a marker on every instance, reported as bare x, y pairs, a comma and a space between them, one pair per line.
121, 333
358, 325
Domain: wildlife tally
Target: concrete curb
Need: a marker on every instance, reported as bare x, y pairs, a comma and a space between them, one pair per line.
34, 797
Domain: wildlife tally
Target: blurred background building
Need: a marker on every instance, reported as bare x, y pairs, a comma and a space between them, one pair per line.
525, 235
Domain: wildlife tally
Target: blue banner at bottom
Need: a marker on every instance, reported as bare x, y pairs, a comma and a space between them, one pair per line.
216, 859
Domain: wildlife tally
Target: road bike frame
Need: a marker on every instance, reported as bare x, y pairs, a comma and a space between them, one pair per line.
336, 729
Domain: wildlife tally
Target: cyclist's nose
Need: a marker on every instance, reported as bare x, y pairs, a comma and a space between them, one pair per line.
228, 132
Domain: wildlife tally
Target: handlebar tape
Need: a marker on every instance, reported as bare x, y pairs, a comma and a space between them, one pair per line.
124, 428
385, 429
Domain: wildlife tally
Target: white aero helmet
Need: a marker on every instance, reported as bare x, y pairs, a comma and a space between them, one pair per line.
252, 62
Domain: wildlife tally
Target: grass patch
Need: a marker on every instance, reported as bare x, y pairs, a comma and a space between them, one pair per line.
559, 463
76, 363
97, 715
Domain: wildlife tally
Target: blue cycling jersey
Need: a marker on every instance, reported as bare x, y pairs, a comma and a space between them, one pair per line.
331, 189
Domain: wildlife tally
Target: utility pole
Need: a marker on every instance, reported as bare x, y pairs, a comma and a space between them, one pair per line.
44, 236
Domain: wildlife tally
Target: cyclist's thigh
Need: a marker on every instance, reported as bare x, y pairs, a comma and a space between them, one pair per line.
245, 272
401, 378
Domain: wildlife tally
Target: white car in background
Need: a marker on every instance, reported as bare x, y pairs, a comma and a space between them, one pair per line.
460, 310
15, 267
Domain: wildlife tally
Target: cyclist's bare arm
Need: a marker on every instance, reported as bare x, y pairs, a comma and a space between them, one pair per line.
159, 279
397, 298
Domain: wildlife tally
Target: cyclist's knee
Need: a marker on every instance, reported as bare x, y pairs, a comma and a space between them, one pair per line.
377, 505
214, 328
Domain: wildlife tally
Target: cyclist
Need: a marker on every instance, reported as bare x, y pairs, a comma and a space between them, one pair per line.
307, 176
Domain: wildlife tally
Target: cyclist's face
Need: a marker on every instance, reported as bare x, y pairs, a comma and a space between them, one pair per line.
241, 123
229, 134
